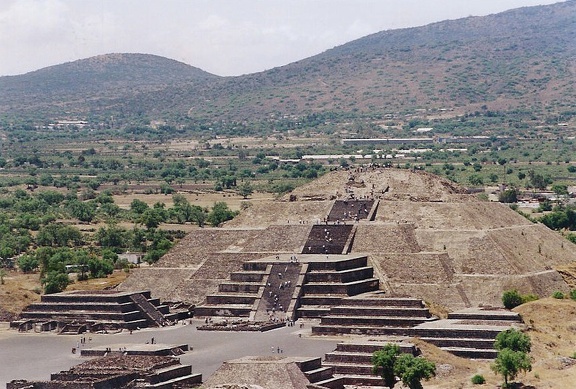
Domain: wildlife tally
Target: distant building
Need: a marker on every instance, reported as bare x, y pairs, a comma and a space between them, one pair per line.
134, 258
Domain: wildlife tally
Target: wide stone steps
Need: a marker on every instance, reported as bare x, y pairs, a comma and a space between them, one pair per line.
362, 380
321, 299
486, 315
318, 375
231, 298
347, 357
386, 321
327, 239
405, 302
228, 310
471, 353
350, 210
358, 330
82, 314
170, 372
331, 383
338, 264
310, 312
190, 380
477, 343
346, 275
342, 368
380, 311
80, 306
370, 348
458, 333
248, 276
347, 288
239, 287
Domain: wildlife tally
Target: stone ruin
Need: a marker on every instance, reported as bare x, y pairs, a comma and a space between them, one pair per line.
119, 371
77, 312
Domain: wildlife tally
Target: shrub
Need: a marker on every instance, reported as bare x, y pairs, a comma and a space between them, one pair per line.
478, 379
573, 294
511, 299
558, 295
529, 297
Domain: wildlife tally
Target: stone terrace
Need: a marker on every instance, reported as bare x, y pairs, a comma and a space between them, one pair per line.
95, 310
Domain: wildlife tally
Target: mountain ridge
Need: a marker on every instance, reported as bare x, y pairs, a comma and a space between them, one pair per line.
515, 59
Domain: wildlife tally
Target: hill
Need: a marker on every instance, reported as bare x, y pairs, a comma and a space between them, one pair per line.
94, 83
520, 59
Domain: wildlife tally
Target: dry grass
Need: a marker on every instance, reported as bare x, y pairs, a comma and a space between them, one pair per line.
200, 198
20, 290
552, 329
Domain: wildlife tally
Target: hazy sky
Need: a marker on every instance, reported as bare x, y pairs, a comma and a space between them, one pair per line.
224, 37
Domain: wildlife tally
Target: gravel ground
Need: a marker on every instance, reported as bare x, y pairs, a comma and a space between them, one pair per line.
34, 356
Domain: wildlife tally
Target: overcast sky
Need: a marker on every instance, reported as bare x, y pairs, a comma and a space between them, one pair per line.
224, 37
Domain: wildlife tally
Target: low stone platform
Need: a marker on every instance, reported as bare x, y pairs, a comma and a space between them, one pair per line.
120, 372
469, 333
96, 311
136, 349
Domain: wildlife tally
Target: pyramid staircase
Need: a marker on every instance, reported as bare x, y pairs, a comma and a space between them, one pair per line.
328, 239
350, 210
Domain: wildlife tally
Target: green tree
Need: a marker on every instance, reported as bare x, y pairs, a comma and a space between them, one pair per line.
537, 180
220, 213
508, 196
83, 211
2, 275
27, 263
383, 363
111, 236
55, 282
138, 206
560, 189
151, 218
245, 189
475, 179
411, 370
510, 363
513, 347
59, 235
513, 339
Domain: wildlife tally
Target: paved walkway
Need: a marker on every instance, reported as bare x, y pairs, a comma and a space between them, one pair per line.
34, 356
